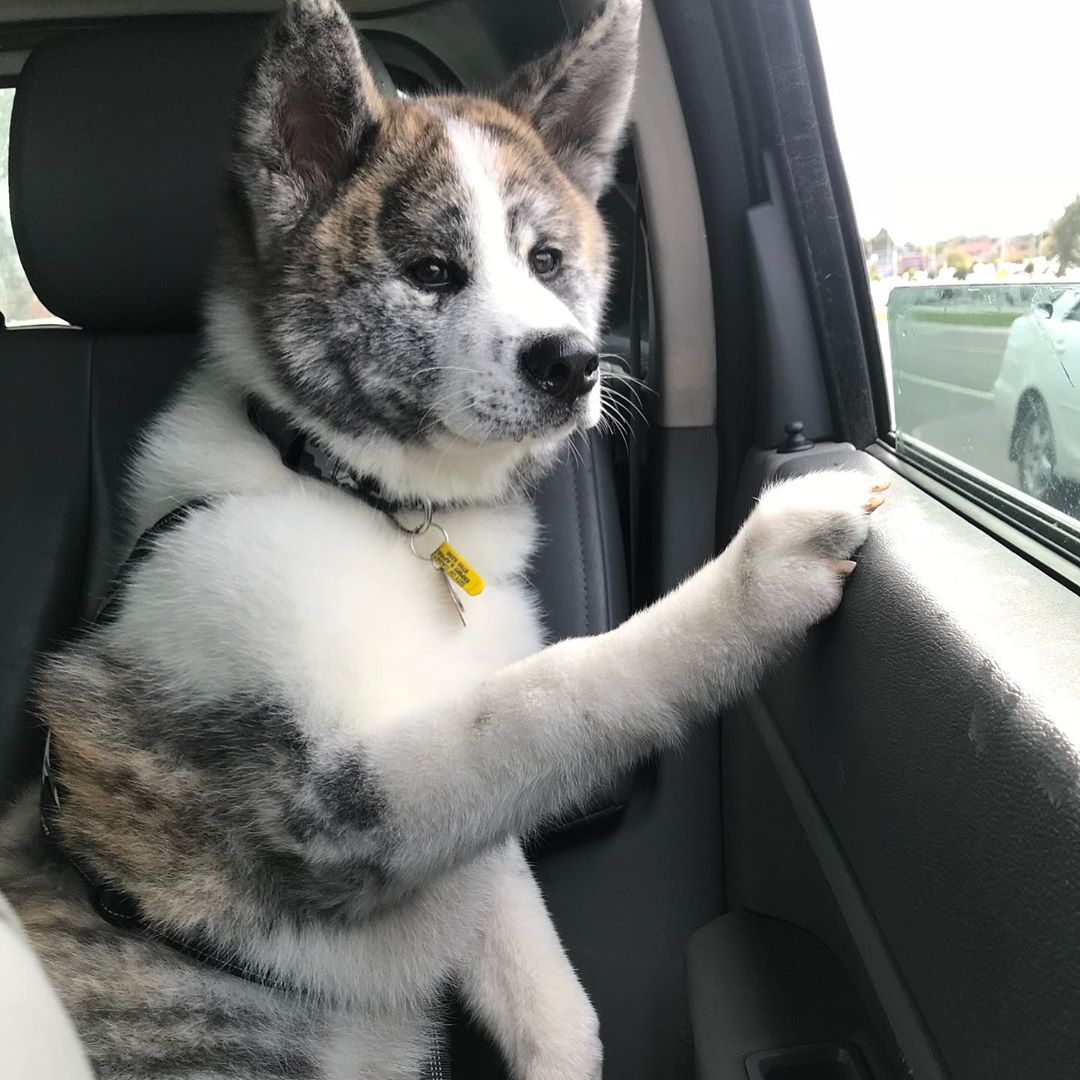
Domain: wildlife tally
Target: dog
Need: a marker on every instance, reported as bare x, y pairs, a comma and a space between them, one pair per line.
291, 781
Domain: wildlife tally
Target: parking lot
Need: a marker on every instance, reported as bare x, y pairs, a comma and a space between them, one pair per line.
944, 393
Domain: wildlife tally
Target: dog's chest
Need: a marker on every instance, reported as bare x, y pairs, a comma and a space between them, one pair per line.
401, 637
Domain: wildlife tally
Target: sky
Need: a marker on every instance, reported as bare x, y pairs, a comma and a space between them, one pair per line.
955, 116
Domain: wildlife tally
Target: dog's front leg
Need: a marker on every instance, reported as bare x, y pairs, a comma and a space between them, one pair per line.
518, 982
539, 735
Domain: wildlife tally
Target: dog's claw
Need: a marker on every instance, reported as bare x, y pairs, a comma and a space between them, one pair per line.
873, 502
882, 485
844, 567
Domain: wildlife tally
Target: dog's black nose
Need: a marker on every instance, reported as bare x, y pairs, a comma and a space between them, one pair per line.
562, 365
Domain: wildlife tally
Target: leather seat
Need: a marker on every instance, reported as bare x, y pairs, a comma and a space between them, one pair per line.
113, 197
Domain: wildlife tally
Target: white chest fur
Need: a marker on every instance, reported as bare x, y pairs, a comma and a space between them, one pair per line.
335, 609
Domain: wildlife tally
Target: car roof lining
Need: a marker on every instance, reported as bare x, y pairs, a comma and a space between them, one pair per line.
476, 40
34, 10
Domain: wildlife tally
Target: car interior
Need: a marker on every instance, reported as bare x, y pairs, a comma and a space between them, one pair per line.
865, 871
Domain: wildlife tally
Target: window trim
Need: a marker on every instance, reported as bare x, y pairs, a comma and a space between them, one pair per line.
1035, 534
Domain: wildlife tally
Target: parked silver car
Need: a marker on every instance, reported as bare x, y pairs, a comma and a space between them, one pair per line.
1037, 394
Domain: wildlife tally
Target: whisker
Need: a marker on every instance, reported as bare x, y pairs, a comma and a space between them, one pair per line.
444, 367
631, 410
616, 395
632, 386
440, 401
579, 457
472, 400
624, 376
620, 429
626, 387
618, 423
624, 422
453, 412
455, 437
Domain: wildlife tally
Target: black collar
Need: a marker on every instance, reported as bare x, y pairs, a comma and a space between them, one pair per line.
304, 454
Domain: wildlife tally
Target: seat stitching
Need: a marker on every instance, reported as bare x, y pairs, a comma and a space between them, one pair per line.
605, 562
581, 547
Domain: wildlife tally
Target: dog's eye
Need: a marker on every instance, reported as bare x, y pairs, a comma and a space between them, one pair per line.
545, 262
431, 273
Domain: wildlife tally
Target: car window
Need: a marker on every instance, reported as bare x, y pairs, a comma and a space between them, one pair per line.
967, 196
17, 300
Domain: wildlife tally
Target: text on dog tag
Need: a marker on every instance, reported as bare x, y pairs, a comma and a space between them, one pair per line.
450, 562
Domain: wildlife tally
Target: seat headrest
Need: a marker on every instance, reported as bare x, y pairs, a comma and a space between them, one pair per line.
118, 145
118, 138
118, 142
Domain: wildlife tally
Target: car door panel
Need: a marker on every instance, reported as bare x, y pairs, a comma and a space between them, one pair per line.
802, 1000
922, 741
905, 788
931, 720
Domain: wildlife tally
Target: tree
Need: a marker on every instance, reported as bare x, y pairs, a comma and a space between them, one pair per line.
961, 263
881, 245
1064, 238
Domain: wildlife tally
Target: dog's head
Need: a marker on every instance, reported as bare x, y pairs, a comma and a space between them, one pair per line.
428, 272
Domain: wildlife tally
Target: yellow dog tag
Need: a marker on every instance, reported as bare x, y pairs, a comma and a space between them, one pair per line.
450, 562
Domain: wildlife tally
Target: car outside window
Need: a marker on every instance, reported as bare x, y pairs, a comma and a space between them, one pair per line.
967, 195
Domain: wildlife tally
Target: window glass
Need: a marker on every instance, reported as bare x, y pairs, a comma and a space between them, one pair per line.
954, 124
17, 300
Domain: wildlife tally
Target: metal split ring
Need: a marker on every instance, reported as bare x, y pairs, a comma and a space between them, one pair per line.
416, 534
422, 527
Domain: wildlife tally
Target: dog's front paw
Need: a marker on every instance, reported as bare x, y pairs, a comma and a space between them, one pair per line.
799, 543
577, 1057
560, 1070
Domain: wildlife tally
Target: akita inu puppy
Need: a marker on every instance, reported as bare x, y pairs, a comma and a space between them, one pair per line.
291, 781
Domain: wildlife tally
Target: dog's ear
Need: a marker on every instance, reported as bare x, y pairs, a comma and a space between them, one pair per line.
309, 104
578, 95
